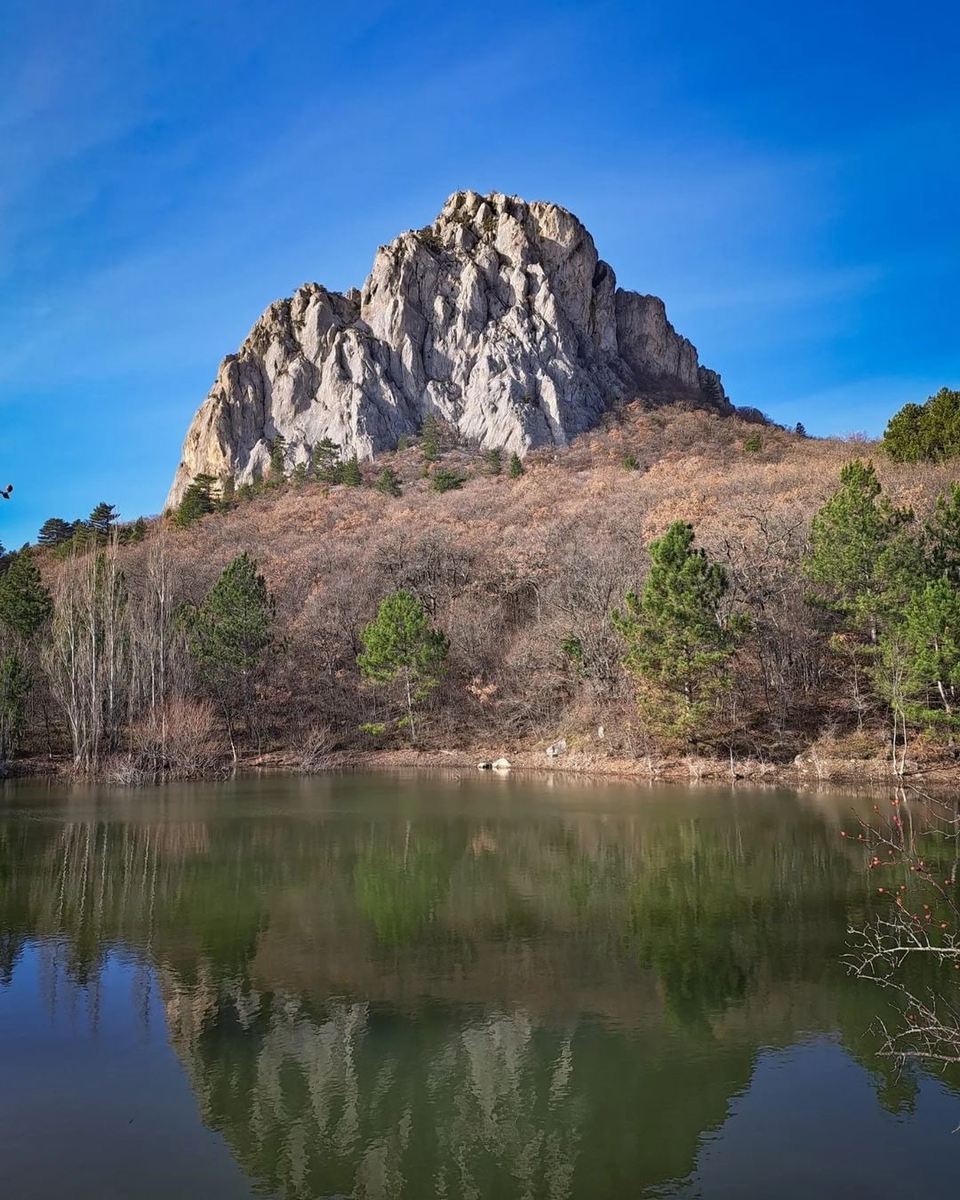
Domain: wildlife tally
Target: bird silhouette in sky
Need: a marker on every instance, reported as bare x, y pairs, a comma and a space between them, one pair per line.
5, 492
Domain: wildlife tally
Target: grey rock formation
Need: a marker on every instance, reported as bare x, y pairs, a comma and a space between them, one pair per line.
499, 318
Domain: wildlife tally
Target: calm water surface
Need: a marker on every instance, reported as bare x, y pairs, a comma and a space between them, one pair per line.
419, 986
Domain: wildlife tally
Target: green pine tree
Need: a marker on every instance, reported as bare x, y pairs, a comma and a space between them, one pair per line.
278, 458
15, 685
197, 501
138, 530
388, 482
925, 433
54, 532
430, 438
325, 464
25, 602
928, 637
403, 442
495, 461
516, 466
861, 556
102, 520
679, 643
400, 646
443, 480
228, 636
941, 537
228, 493
350, 474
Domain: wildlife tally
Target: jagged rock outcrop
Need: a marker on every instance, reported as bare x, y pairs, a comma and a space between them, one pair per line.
499, 318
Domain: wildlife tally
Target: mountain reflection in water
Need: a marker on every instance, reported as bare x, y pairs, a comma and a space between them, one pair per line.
431, 986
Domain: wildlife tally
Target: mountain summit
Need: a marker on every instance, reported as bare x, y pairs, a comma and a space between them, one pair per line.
499, 318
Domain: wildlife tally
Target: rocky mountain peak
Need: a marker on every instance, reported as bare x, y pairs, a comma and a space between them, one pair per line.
499, 318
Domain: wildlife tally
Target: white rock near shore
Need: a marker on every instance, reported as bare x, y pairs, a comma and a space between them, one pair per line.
499, 319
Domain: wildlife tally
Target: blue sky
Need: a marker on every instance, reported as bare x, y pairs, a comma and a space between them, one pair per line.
786, 176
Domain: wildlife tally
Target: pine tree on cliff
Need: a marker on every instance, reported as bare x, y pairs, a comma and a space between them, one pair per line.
278, 458
197, 501
430, 439
350, 474
388, 482
325, 462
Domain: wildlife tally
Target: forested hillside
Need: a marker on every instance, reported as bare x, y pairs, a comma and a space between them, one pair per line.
676, 587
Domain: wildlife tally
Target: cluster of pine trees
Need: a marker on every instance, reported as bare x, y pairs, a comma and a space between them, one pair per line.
326, 465
891, 588
66, 537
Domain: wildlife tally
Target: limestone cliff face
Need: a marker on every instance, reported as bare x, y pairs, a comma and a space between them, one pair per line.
499, 318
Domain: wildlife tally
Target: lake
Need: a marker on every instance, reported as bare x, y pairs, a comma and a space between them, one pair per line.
446, 985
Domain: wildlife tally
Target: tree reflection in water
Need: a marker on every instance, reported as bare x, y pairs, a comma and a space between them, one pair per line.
466, 1000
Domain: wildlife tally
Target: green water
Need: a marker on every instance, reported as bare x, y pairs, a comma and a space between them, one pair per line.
451, 986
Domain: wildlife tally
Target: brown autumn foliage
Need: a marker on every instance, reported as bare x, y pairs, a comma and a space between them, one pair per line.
510, 568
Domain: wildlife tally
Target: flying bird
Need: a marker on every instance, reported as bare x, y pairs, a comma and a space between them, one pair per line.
5, 492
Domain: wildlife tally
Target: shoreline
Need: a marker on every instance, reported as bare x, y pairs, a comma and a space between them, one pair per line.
805, 772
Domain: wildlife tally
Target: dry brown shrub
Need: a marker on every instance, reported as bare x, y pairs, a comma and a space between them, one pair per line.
181, 738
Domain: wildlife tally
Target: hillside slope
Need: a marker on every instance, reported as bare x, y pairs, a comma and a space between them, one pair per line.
512, 568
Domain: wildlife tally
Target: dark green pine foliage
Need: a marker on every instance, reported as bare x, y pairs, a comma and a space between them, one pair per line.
388, 482
15, 684
25, 602
927, 432
25, 607
861, 555
228, 636
929, 644
495, 461
350, 474
516, 466
941, 537
400, 647
325, 462
102, 520
679, 644
443, 480
430, 439
197, 501
278, 458
54, 532
138, 530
